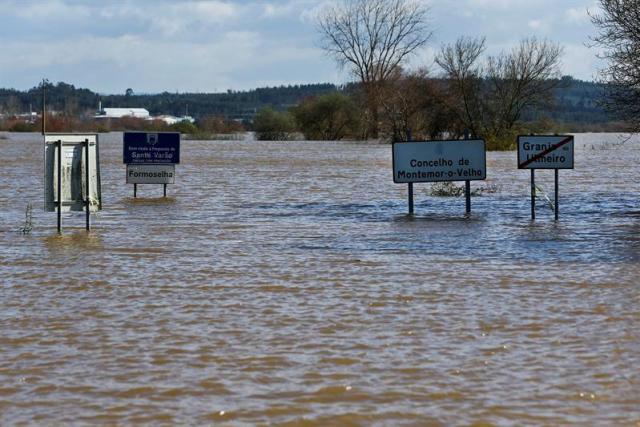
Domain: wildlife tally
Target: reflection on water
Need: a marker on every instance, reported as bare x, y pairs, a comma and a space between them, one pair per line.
284, 282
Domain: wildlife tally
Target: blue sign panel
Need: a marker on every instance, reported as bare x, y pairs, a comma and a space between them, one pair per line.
145, 148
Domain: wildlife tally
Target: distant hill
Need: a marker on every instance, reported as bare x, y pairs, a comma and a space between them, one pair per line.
576, 101
64, 97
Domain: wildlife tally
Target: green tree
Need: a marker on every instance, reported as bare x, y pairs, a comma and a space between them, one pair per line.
272, 125
185, 127
328, 117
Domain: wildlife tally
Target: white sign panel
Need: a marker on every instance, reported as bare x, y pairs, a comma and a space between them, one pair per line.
73, 176
151, 174
545, 152
433, 161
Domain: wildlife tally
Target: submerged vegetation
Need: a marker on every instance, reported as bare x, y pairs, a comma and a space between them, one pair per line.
28, 220
450, 189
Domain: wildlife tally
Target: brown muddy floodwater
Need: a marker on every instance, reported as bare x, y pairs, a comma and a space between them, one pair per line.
283, 283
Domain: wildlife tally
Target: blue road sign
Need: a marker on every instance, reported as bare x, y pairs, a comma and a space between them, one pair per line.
146, 148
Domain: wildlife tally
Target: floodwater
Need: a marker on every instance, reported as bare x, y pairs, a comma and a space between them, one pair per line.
284, 283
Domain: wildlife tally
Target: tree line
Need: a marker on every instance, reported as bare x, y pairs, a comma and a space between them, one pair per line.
66, 99
322, 111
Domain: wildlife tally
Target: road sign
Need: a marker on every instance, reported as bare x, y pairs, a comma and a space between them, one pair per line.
434, 161
73, 172
151, 174
151, 148
545, 152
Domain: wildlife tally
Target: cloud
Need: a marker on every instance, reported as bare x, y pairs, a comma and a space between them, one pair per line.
496, 4
581, 15
274, 10
171, 19
581, 61
46, 10
309, 15
155, 45
535, 24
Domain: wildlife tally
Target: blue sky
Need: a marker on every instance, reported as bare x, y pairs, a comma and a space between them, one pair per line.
211, 46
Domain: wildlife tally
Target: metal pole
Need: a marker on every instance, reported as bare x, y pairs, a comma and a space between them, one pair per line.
411, 198
87, 185
59, 186
165, 191
557, 196
467, 192
411, 210
467, 184
44, 110
135, 190
533, 194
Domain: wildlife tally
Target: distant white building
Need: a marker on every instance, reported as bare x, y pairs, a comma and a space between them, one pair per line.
172, 120
118, 113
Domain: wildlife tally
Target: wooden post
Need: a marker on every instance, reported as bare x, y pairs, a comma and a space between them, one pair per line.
135, 190
165, 191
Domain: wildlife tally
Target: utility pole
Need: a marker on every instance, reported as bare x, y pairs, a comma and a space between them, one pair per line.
44, 109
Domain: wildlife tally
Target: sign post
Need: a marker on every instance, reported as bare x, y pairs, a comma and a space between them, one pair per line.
59, 186
533, 194
438, 161
151, 158
545, 152
87, 187
72, 175
557, 198
410, 185
467, 183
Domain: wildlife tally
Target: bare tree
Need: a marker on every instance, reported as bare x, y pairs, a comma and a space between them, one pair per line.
523, 78
619, 35
460, 64
414, 105
492, 96
373, 38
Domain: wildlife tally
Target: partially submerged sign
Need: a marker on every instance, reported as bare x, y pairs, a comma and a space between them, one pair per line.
151, 158
545, 152
151, 148
434, 161
73, 174
151, 174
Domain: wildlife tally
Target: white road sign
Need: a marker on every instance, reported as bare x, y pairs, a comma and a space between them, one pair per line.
545, 152
433, 161
73, 176
151, 174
